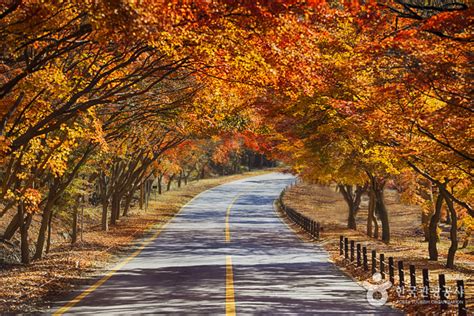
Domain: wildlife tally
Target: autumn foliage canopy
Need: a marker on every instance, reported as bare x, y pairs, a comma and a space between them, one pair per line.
107, 95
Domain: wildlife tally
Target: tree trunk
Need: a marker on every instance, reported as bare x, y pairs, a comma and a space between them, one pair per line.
149, 190
104, 195
453, 231
25, 248
180, 178
425, 223
371, 219
104, 219
113, 208
75, 215
82, 219
433, 229
351, 221
168, 186
142, 193
352, 199
128, 201
12, 227
383, 213
370, 213
47, 211
115, 212
376, 226
50, 228
160, 184
24, 226
148, 186
55, 191
346, 191
118, 203
425, 191
379, 208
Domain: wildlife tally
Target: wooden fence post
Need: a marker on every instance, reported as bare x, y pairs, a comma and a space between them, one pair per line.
382, 265
426, 285
412, 280
364, 259
391, 270
346, 247
374, 261
462, 310
358, 254
401, 275
352, 251
442, 291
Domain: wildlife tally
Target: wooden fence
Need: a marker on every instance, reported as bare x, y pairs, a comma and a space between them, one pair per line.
310, 226
407, 281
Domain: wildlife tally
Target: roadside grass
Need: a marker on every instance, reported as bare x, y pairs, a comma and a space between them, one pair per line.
32, 288
327, 206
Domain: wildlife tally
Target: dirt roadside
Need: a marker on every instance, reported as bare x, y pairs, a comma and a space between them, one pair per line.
327, 206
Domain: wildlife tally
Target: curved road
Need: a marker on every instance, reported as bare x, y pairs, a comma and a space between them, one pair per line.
226, 252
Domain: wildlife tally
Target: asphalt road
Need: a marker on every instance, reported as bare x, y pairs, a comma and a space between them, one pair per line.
226, 252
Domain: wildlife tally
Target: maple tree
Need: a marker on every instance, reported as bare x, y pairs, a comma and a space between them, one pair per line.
423, 91
73, 82
129, 94
391, 100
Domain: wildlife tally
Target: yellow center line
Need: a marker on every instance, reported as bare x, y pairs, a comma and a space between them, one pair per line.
111, 272
229, 289
229, 276
227, 216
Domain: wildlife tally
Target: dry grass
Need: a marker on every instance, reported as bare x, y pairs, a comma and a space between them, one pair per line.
328, 207
29, 288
